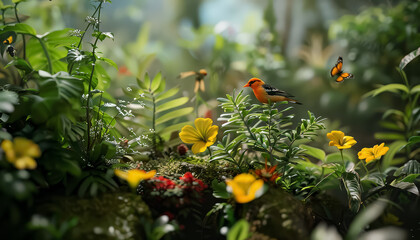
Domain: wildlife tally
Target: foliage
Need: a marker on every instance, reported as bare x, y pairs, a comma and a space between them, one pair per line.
262, 128
160, 113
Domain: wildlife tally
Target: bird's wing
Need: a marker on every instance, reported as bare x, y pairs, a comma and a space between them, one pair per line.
186, 74
274, 91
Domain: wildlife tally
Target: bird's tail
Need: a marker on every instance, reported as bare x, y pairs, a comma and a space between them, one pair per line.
293, 101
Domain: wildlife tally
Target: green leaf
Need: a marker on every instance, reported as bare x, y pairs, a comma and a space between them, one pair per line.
389, 136
394, 148
219, 189
410, 178
411, 167
109, 61
156, 82
172, 104
175, 127
239, 231
21, 28
352, 184
336, 157
7, 100
21, 64
411, 141
314, 152
364, 218
393, 87
415, 89
407, 186
171, 92
408, 58
102, 35
174, 114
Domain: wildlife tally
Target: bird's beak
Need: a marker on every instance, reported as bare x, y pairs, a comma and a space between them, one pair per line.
246, 85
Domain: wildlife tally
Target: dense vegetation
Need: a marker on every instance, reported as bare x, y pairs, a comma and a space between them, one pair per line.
99, 145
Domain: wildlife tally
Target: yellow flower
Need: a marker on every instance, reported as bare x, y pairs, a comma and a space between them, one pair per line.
374, 153
202, 137
134, 176
245, 187
339, 140
21, 152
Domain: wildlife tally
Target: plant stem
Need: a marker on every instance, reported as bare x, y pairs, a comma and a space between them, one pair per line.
47, 55
84, 32
23, 36
2, 16
342, 159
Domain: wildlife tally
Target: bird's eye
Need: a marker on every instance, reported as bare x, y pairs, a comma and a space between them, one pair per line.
250, 83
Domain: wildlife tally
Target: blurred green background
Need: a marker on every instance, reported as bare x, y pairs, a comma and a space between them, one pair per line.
290, 44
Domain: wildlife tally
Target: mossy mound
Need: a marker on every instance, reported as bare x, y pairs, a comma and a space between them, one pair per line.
202, 169
278, 215
112, 215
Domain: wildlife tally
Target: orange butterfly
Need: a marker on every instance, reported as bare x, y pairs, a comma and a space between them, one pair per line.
336, 70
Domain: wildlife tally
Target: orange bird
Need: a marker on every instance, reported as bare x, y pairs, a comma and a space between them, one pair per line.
264, 92
199, 78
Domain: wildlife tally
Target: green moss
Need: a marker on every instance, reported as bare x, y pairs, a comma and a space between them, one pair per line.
112, 215
279, 215
201, 168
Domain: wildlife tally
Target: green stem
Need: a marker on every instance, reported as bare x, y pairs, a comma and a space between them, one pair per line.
23, 36
197, 95
210, 151
342, 159
47, 55
84, 32
364, 165
2, 16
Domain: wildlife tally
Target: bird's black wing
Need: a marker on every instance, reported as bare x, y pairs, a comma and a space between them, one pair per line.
274, 91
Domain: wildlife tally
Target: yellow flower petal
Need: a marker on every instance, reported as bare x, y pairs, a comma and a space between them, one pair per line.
339, 140
189, 134
26, 147
203, 136
199, 147
7, 147
121, 174
203, 125
25, 163
245, 187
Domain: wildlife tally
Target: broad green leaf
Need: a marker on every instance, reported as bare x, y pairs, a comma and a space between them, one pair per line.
393, 87
171, 92
410, 178
156, 82
314, 152
21, 64
109, 61
364, 218
60, 38
336, 157
389, 136
239, 231
352, 184
174, 114
394, 148
175, 127
411, 141
7, 100
172, 104
411, 167
21, 28
408, 58
415, 89
407, 186
219, 189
